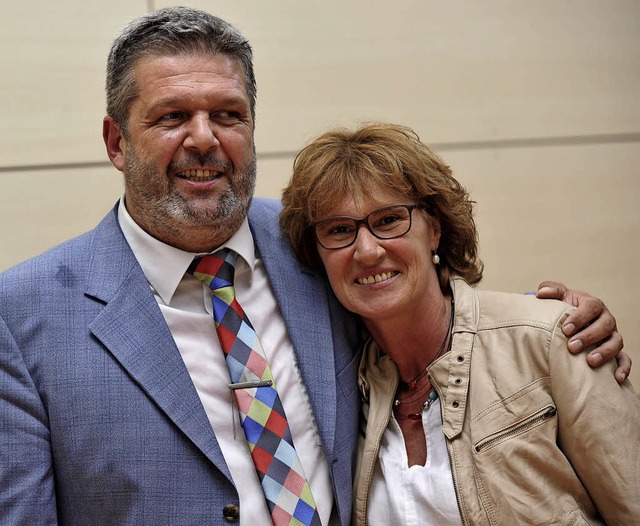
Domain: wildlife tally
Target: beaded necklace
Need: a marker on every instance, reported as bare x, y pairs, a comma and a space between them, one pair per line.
419, 394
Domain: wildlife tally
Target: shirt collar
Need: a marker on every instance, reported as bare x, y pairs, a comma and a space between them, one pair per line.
164, 265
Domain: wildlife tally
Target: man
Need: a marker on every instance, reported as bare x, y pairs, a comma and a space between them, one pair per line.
115, 402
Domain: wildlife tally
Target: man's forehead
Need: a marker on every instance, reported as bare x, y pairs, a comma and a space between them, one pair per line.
185, 59
155, 71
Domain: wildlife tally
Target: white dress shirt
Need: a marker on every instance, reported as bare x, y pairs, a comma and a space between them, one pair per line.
416, 495
186, 306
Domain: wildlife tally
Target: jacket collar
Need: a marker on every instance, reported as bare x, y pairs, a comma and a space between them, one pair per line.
133, 330
449, 374
309, 328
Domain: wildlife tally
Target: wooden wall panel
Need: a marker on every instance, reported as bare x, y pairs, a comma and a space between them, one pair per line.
53, 57
462, 71
563, 207
40, 209
565, 213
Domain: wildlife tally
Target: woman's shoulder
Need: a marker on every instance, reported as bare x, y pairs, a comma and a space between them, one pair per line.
494, 308
507, 306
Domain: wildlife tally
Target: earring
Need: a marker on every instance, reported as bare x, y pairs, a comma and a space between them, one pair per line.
435, 259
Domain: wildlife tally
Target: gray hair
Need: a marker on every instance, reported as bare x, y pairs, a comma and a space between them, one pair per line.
172, 31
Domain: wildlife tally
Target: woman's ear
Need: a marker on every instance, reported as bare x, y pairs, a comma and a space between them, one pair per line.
434, 225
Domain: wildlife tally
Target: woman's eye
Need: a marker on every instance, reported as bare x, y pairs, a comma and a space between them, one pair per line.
387, 220
340, 229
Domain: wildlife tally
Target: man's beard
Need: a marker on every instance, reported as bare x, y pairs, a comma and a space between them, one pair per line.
163, 203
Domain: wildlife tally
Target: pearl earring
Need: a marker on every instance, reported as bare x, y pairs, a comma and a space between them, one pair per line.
436, 259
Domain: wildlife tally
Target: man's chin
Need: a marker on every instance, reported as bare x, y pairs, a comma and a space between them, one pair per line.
197, 216
208, 213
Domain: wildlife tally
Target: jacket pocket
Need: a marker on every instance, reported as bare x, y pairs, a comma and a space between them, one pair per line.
516, 414
524, 425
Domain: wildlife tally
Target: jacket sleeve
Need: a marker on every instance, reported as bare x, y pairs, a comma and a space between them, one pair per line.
598, 430
27, 494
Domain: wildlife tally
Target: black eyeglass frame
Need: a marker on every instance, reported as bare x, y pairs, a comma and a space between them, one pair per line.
365, 221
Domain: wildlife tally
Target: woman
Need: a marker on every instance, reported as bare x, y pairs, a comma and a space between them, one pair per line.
473, 412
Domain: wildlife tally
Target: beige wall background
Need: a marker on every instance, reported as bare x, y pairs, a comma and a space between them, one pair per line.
535, 105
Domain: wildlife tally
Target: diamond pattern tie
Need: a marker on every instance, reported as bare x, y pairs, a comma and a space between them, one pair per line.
263, 419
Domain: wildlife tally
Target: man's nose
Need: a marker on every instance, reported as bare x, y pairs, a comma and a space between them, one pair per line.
201, 134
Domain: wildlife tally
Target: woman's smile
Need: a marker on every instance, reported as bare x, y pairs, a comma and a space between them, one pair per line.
377, 278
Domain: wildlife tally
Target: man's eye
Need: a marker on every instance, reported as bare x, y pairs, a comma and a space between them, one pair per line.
226, 116
172, 116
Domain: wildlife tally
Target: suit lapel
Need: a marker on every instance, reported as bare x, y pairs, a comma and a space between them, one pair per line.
132, 328
296, 290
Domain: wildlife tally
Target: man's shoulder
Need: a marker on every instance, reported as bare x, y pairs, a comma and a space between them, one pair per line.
51, 258
60, 271
264, 209
73, 253
264, 217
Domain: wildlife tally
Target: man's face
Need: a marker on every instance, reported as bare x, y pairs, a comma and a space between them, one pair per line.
188, 154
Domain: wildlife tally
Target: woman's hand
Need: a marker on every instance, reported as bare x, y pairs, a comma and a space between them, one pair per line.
591, 324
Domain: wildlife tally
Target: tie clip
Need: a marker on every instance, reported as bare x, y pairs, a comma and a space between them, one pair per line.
251, 385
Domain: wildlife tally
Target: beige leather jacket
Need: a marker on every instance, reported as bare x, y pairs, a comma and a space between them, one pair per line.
535, 436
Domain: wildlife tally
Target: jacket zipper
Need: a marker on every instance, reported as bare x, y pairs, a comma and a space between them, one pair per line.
537, 418
449, 446
371, 466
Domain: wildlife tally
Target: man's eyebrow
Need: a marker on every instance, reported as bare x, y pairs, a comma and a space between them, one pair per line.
220, 99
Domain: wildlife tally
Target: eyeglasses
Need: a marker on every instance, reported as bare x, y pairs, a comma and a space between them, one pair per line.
384, 223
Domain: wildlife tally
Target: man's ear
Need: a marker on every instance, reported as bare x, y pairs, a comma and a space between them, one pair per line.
114, 141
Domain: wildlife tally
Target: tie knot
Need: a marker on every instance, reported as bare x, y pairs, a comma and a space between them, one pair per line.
216, 270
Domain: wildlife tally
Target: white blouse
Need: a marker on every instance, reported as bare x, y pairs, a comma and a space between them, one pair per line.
416, 495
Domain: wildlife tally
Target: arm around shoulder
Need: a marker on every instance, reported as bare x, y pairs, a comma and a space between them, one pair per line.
598, 430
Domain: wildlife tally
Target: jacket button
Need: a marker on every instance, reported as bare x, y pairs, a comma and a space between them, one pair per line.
231, 513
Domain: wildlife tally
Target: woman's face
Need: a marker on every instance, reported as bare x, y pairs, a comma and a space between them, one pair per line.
383, 278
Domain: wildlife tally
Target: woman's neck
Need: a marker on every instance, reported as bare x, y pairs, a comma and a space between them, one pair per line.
414, 342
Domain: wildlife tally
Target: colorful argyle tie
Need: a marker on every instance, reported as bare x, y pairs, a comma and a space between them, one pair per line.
265, 425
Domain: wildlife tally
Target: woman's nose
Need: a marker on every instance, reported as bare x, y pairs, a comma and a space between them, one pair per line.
367, 246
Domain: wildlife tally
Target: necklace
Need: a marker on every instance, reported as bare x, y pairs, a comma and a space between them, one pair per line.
418, 395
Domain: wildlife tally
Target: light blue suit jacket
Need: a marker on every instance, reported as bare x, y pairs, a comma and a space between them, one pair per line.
99, 420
